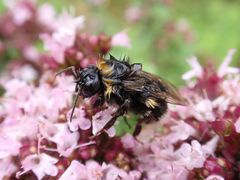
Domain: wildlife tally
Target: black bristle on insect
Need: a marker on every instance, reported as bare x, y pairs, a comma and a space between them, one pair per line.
112, 57
125, 58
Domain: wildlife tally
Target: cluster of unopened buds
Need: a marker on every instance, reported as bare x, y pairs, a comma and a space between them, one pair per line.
38, 141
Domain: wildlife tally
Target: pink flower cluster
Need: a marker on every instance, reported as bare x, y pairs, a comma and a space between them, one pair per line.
199, 141
25, 26
35, 135
37, 140
20, 28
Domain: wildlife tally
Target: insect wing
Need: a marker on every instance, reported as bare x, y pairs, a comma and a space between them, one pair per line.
171, 95
155, 86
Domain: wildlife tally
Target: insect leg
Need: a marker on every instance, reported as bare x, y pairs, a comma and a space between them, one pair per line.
72, 68
106, 126
121, 110
75, 104
98, 102
138, 128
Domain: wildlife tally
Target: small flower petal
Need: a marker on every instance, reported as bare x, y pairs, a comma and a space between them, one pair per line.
101, 118
121, 39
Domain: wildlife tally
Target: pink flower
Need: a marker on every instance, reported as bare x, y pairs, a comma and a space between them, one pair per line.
179, 132
168, 172
204, 110
31, 53
56, 48
34, 107
133, 14
128, 141
102, 118
121, 39
63, 37
48, 101
214, 177
113, 173
18, 89
196, 71
26, 73
8, 146
230, 89
79, 120
20, 10
20, 127
46, 15
221, 103
41, 165
66, 141
210, 147
237, 125
7, 167
66, 20
194, 155
224, 69
95, 171
76, 171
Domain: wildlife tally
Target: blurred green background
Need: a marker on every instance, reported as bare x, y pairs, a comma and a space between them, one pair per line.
164, 33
